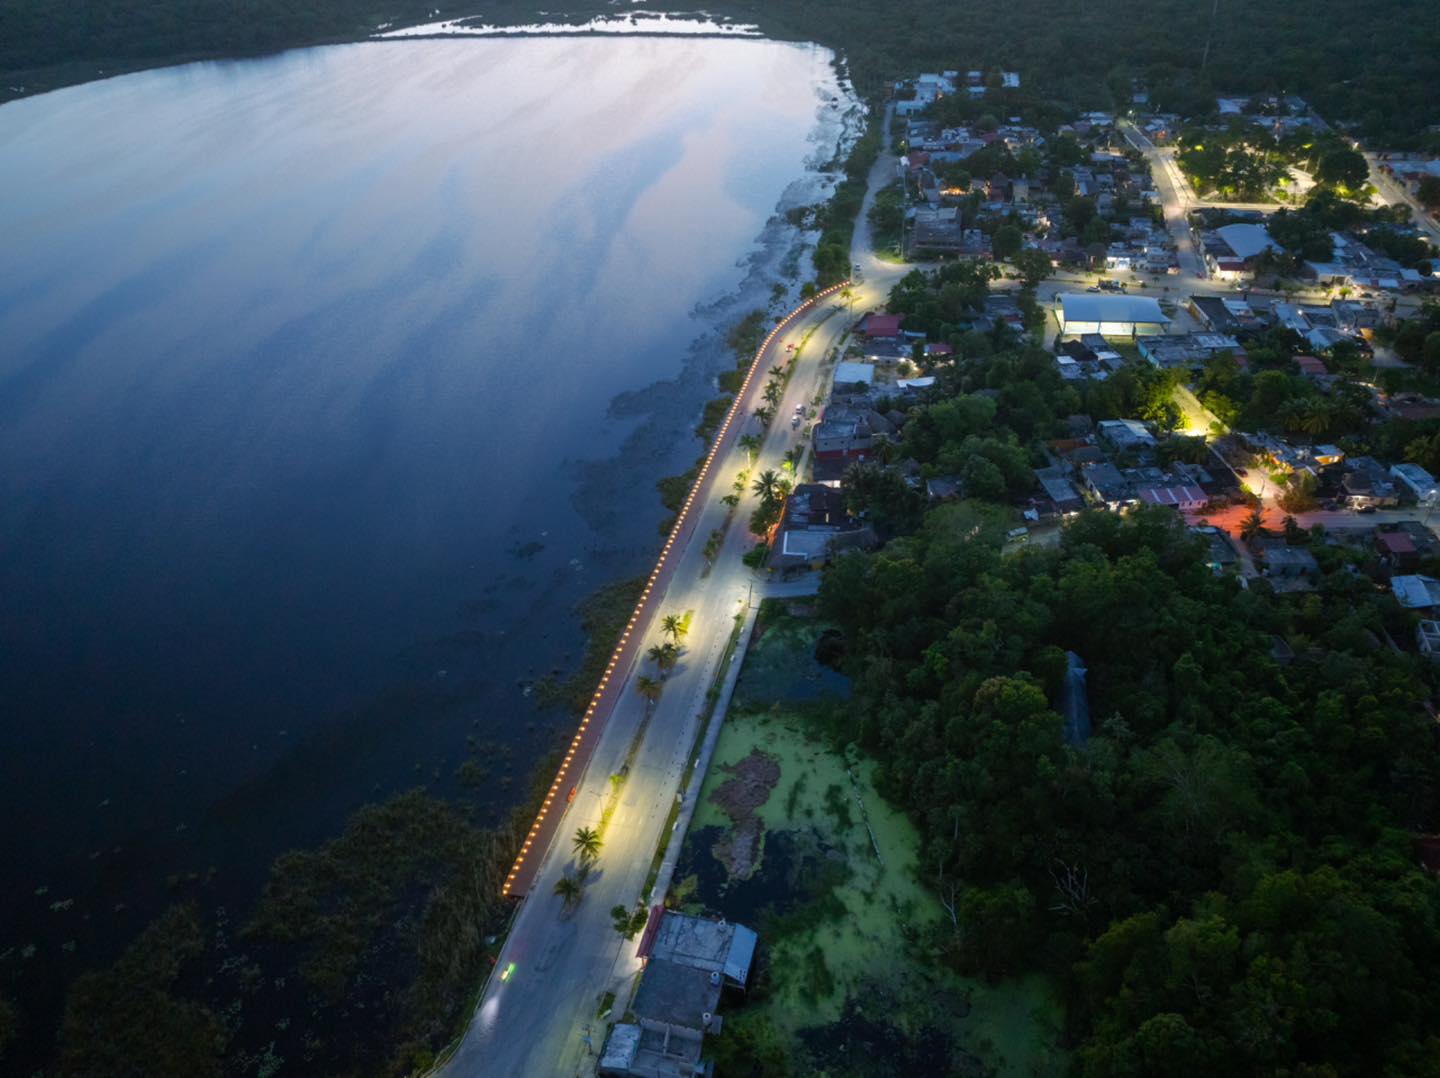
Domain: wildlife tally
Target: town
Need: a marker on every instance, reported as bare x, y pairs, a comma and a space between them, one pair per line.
1282, 394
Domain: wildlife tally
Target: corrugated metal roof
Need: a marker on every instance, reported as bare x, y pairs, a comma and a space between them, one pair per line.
1088, 307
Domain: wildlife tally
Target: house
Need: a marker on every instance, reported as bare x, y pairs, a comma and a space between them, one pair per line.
688, 963
1231, 249
814, 526
1126, 434
1223, 314
1109, 315
1426, 543
1398, 549
1187, 351
1059, 490
943, 488
938, 350
1416, 592
851, 376
849, 433
1184, 498
1293, 563
1427, 639
1367, 484
1105, 482
1220, 554
887, 349
1416, 484
881, 325
1311, 366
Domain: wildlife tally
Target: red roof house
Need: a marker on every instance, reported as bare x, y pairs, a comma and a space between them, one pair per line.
881, 325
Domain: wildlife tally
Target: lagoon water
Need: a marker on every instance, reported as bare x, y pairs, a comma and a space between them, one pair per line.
329, 383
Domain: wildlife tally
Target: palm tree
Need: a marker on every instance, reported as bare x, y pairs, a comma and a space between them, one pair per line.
1253, 525
587, 843
665, 656
649, 688
751, 443
767, 485
673, 625
569, 890
772, 393
1291, 414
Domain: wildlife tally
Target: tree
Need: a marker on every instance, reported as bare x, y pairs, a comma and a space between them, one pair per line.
1033, 265
664, 656
1299, 494
570, 890
983, 479
751, 443
768, 485
1006, 242
1428, 192
649, 688
1253, 525
1343, 168
673, 625
587, 843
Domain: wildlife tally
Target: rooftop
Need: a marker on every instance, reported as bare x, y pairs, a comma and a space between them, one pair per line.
1246, 241
1091, 307
1416, 592
677, 995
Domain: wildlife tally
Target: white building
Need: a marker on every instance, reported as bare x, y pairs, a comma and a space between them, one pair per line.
1417, 482
1109, 315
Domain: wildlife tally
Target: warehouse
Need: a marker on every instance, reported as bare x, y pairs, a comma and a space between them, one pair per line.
1109, 315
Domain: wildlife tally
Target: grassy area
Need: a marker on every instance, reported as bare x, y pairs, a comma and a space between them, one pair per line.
835, 894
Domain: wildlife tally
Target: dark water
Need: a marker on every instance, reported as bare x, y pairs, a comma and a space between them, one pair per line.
329, 383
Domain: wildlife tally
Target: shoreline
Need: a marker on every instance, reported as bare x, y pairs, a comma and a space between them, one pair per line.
22, 84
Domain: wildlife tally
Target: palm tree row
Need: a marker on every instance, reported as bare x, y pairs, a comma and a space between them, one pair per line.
571, 889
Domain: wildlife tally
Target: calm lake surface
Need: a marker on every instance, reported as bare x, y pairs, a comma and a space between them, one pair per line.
329, 383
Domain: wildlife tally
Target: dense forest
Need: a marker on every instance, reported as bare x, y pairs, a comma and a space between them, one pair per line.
1223, 876
1370, 66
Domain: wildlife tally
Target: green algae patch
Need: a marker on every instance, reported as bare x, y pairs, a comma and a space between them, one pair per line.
848, 981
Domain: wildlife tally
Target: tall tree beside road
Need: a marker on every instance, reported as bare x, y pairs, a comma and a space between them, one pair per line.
587, 843
1033, 265
751, 443
1006, 242
1253, 525
569, 890
1429, 193
1344, 168
650, 689
673, 626
664, 656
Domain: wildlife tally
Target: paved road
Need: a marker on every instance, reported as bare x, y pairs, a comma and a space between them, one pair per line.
534, 1022
1175, 201
1392, 191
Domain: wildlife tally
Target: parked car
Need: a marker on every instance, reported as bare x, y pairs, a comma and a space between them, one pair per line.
1365, 510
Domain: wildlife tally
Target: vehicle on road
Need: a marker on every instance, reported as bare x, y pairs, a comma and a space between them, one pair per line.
795, 423
1365, 510
1018, 535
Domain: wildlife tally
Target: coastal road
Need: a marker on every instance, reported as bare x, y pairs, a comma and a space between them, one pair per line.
543, 1018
